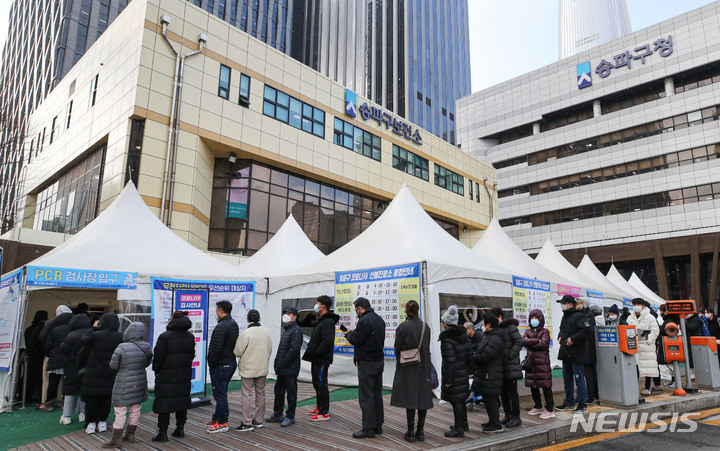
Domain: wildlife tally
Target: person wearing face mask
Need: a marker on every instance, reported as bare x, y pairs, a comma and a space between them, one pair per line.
253, 349
287, 368
712, 324
574, 339
320, 355
456, 357
613, 316
647, 332
537, 341
368, 339
488, 361
222, 364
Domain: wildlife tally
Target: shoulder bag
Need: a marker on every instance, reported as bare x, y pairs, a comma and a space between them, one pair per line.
410, 357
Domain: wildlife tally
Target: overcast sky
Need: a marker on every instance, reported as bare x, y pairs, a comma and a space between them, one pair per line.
512, 37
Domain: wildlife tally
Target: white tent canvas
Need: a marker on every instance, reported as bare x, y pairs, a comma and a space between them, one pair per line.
643, 289
496, 246
287, 250
404, 233
615, 277
588, 268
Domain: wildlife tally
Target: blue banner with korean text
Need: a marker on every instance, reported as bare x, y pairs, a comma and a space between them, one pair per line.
387, 289
80, 278
9, 317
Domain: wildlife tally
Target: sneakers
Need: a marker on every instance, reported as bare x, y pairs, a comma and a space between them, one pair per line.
210, 423
591, 401
645, 392
582, 409
242, 428
81, 417
274, 419
320, 417
65, 420
566, 408
257, 425
90, 429
654, 388
536, 411
221, 427
455, 433
288, 422
315, 411
102, 426
492, 429
514, 422
547, 415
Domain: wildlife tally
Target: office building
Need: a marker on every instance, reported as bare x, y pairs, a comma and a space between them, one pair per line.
259, 136
615, 151
584, 24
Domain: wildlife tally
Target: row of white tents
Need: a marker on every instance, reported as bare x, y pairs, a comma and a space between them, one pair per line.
128, 237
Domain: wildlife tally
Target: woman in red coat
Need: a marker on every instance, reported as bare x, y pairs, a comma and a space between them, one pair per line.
537, 341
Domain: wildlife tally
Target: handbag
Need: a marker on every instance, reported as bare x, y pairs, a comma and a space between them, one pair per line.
410, 357
527, 363
434, 382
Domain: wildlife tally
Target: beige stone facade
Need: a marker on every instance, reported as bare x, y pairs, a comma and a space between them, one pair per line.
135, 66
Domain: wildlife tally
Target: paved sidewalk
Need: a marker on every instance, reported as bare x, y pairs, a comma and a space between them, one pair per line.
345, 419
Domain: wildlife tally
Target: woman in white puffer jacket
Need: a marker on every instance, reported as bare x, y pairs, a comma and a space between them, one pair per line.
646, 357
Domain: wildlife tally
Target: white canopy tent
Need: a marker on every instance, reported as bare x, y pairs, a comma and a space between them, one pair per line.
125, 237
496, 246
615, 277
404, 234
287, 250
643, 289
588, 268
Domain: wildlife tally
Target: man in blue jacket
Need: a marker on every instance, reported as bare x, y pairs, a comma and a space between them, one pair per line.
287, 368
368, 338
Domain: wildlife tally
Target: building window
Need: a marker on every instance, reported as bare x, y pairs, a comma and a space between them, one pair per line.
244, 90
72, 201
445, 178
224, 83
294, 112
357, 139
137, 131
93, 90
477, 192
52, 129
470, 190
251, 201
408, 162
69, 114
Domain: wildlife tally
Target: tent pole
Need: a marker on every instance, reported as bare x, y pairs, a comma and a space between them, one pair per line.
18, 335
423, 284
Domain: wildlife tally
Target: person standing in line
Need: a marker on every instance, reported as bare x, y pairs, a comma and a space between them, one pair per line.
590, 368
455, 351
712, 324
287, 369
489, 371
253, 348
130, 359
52, 337
35, 357
511, 368
647, 333
574, 339
537, 341
319, 353
613, 316
411, 385
72, 379
98, 346
368, 339
172, 365
222, 364
475, 334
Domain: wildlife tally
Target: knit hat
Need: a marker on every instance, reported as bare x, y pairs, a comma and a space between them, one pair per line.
451, 316
613, 309
567, 299
62, 309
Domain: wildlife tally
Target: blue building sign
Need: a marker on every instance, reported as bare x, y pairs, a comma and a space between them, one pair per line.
368, 112
584, 78
350, 103
663, 46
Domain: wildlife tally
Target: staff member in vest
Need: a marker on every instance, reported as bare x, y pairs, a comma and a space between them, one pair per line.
222, 364
368, 339
253, 348
287, 368
174, 355
319, 353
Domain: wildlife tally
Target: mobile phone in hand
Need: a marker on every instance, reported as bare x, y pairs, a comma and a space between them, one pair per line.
343, 328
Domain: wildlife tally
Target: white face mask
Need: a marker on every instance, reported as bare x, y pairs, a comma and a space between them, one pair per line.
612, 317
708, 315
637, 308
286, 319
